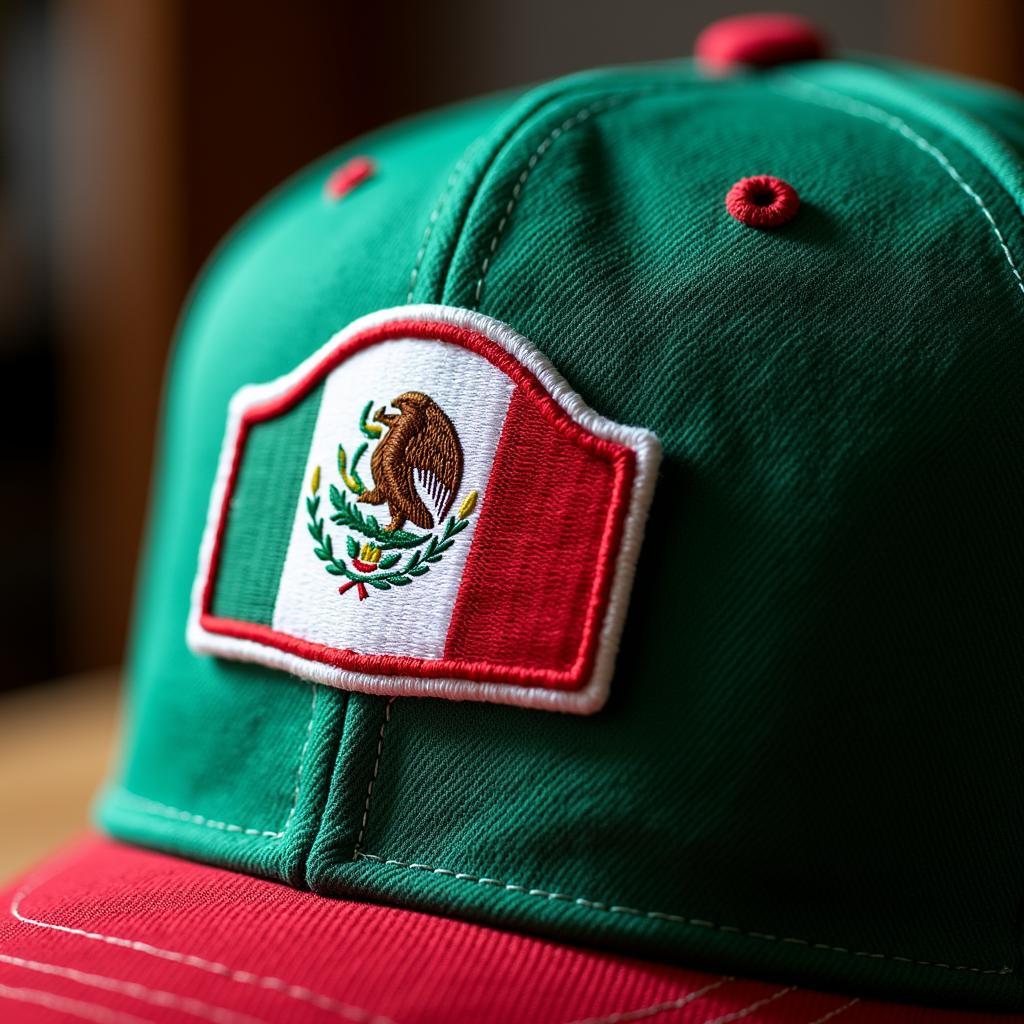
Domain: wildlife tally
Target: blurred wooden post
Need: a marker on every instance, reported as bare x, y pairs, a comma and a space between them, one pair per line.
119, 279
981, 38
169, 126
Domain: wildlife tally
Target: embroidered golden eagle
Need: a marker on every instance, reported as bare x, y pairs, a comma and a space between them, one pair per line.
417, 464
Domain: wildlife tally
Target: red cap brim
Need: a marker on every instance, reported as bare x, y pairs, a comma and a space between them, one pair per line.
115, 934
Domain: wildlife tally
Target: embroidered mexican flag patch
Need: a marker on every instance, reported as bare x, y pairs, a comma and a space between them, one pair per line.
424, 507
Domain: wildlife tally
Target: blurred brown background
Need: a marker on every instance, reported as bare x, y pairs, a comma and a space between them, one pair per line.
133, 133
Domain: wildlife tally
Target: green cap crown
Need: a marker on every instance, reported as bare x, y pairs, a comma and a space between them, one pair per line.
810, 762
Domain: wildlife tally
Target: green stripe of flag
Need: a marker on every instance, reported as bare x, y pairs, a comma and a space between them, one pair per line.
262, 512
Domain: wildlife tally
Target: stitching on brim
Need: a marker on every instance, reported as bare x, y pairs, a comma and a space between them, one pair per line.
649, 1011
373, 778
832, 1014
143, 805
269, 982
132, 989
598, 106
727, 1018
811, 92
656, 915
79, 1008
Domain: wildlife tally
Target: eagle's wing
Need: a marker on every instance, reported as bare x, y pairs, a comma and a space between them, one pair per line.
435, 457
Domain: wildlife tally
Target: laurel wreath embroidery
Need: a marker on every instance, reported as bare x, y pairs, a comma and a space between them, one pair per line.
378, 562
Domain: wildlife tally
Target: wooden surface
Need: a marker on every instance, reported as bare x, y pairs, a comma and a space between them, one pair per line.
56, 742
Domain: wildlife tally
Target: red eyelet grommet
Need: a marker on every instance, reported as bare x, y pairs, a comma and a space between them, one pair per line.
762, 201
348, 176
758, 40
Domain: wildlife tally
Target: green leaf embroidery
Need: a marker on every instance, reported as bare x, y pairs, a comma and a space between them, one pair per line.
430, 547
348, 515
370, 430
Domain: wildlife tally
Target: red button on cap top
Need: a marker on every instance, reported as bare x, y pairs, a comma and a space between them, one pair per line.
758, 39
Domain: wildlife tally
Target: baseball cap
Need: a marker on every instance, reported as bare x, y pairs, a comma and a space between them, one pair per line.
583, 580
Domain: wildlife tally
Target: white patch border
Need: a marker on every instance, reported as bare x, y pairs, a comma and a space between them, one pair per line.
586, 700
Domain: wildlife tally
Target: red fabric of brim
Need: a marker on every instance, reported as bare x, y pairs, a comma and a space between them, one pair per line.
113, 934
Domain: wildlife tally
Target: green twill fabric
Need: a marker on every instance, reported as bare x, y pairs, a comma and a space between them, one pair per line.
811, 765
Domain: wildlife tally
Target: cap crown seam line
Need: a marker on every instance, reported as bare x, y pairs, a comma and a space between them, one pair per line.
596, 107
612, 93
358, 848
539, 105
435, 213
819, 95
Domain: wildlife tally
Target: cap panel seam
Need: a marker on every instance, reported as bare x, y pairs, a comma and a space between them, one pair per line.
533, 102
373, 778
609, 100
525, 109
611, 92
442, 201
610, 908
567, 125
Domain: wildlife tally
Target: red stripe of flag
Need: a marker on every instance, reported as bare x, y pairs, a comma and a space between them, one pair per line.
538, 573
